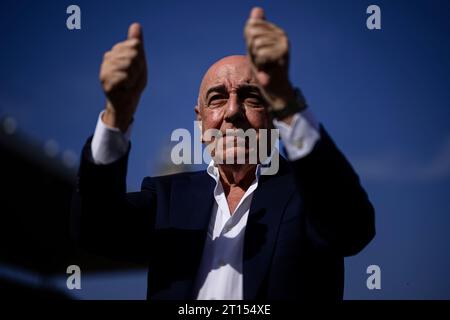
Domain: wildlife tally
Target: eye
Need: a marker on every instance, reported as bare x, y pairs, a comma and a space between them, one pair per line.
216, 101
254, 101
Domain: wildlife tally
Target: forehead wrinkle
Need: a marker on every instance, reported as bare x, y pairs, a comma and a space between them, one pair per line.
230, 88
226, 71
232, 80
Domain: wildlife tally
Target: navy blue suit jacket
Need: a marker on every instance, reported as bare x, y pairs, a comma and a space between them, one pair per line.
302, 222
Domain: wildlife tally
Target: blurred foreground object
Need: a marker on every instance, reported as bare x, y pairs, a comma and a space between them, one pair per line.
36, 185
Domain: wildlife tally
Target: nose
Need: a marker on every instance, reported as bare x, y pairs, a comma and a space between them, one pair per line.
234, 110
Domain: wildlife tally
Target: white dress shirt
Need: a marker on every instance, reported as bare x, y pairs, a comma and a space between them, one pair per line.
220, 275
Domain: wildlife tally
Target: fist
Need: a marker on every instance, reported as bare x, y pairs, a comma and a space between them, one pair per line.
123, 75
268, 51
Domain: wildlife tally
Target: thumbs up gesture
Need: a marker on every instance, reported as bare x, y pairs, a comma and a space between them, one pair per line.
268, 51
123, 75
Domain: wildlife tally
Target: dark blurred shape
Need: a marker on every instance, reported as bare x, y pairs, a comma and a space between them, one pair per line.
36, 185
13, 290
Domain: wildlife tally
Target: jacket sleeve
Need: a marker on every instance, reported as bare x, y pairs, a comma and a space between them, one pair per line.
106, 220
339, 215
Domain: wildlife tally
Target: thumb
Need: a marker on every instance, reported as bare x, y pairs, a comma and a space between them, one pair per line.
257, 13
135, 31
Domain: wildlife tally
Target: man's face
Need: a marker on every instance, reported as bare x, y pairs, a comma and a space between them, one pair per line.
230, 99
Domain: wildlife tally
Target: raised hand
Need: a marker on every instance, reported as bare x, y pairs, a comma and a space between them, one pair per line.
123, 75
268, 51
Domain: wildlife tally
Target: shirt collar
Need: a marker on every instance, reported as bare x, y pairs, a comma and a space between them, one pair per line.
213, 171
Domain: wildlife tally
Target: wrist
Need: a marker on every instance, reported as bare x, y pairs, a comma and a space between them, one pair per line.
285, 107
115, 120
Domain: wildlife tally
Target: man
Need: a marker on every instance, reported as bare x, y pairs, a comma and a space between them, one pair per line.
229, 232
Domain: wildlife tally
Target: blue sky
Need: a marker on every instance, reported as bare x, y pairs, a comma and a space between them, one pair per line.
383, 95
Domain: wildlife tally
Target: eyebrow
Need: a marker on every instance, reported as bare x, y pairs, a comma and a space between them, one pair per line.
249, 88
218, 88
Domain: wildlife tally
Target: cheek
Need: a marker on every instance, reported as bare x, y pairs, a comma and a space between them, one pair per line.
211, 119
258, 118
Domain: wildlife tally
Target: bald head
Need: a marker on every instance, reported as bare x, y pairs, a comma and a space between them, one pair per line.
228, 70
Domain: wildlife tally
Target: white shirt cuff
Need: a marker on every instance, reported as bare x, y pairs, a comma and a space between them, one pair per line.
109, 144
300, 137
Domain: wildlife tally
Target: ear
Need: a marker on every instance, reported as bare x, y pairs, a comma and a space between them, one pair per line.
198, 118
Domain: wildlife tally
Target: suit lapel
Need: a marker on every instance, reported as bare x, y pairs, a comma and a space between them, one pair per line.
191, 205
264, 218
192, 201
